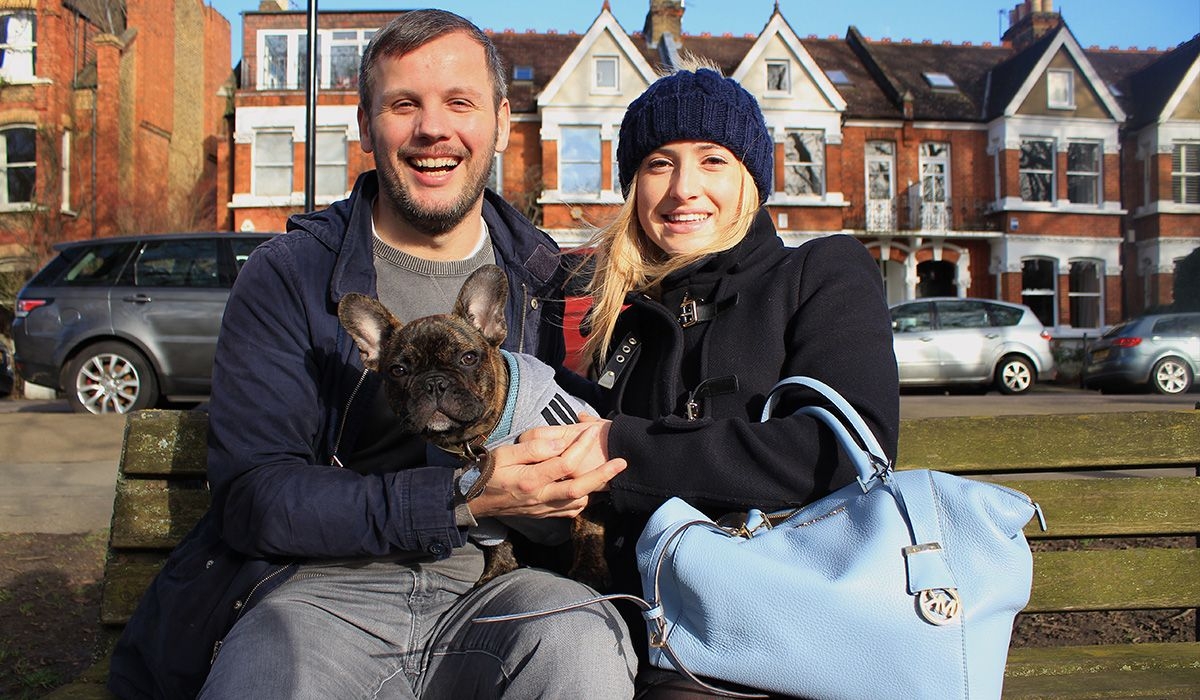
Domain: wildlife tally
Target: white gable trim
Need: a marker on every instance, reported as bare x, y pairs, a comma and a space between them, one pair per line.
1066, 40
777, 26
605, 22
1189, 79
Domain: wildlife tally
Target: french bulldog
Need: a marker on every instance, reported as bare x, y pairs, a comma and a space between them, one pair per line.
447, 379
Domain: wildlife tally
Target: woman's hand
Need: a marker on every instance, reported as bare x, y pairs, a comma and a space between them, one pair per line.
549, 472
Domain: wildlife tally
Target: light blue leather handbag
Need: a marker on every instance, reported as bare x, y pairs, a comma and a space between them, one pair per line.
902, 585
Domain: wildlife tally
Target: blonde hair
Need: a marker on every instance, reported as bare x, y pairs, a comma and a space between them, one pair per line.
627, 261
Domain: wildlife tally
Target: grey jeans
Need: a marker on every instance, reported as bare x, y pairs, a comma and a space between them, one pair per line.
386, 630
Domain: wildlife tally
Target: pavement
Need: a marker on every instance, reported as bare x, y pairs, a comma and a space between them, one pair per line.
58, 468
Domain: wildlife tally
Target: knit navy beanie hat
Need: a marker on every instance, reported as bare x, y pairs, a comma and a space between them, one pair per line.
699, 106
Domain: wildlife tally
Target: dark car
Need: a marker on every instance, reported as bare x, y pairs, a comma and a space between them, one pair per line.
118, 323
1161, 351
6, 371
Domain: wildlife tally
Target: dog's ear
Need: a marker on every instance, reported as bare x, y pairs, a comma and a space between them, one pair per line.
481, 302
369, 323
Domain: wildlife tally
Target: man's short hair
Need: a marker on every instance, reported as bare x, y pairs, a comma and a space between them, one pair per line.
413, 29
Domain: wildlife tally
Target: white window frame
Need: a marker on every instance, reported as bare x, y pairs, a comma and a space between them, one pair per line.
330, 39
1022, 171
1058, 94
65, 171
616, 167
934, 209
26, 70
1051, 292
579, 129
1182, 174
1096, 297
329, 163
256, 165
786, 67
881, 212
6, 204
496, 177
615, 64
1095, 176
798, 166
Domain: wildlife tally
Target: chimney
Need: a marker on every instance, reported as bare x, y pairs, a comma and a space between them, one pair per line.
272, 5
664, 17
1029, 21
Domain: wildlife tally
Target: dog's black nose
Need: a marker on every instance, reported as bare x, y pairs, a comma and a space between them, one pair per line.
436, 385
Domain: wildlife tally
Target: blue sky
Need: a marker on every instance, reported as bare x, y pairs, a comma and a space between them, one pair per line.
1122, 23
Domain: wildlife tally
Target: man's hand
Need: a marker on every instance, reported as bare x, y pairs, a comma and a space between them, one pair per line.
549, 472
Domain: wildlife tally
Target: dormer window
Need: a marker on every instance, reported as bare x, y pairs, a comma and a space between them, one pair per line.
605, 74
522, 72
1060, 89
779, 78
940, 81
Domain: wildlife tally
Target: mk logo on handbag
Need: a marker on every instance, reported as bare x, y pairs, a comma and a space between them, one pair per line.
939, 606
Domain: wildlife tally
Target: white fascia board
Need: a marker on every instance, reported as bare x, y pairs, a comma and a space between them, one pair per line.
251, 119
1010, 131
1181, 90
777, 26
605, 22
1066, 40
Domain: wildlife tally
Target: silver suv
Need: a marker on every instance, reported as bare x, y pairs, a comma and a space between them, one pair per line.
952, 340
117, 323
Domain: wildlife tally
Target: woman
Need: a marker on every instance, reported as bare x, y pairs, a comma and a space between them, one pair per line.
699, 309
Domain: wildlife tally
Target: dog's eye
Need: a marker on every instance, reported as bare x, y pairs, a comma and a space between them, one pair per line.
398, 370
469, 358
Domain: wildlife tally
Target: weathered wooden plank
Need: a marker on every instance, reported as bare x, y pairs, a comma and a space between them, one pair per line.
1105, 671
154, 513
126, 577
990, 444
1115, 579
1120, 507
165, 443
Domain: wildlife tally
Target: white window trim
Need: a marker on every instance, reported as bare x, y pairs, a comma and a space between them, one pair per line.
1053, 173
787, 76
498, 173
1182, 172
823, 166
296, 38
597, 88
344, 162
1070, 76
1098, 295
65, 176
602, 186
1098, 174
31, 47
6, 205
254, 165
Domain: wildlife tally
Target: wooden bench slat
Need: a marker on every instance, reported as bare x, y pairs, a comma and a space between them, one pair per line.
1157, 670
126, 577
999, 444
1143, 506
1115, 579
155, 513
165, 443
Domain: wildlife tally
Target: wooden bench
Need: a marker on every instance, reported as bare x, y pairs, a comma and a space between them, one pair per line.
1085, 561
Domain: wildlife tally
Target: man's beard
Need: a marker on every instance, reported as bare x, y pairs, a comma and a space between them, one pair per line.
430, 220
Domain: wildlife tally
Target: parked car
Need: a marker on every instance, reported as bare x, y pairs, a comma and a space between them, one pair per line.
117, 323
1159, 351
6, 370
953, 340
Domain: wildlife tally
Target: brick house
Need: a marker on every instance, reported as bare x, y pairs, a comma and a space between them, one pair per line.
1034, 170
110, 113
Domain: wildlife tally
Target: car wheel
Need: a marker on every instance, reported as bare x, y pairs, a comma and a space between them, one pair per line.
109, 378
1171, 376
1014, 375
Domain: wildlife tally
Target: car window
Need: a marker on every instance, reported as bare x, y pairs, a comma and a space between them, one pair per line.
912, 318
1004, 315
178, 263
961, 314
88, 266
1177, 325
242, 247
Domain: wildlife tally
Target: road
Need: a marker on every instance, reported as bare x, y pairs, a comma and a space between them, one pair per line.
58, 468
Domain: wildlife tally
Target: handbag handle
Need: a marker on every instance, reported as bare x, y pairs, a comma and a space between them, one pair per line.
860, 446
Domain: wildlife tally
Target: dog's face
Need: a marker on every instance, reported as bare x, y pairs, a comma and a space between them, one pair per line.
443, 374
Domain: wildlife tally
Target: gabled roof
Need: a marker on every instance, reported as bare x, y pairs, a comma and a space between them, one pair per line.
777, 26
1156, 90
1012, 81
108, 15
605, 23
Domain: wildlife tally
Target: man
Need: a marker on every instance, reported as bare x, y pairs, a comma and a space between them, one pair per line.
333, 550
